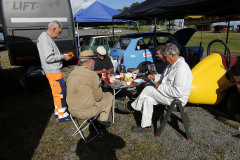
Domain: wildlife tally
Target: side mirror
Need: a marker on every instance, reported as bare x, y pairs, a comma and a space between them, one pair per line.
138, 47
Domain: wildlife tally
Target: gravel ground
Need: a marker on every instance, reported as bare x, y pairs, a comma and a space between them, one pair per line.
29, 130
212, 138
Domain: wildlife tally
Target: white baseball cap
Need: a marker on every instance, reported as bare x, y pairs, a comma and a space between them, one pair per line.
101, 50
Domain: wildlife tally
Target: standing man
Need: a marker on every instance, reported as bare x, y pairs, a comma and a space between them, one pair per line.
51, 61
85, 97
174, 83
103, 63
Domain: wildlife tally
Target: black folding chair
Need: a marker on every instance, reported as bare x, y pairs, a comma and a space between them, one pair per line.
184, 116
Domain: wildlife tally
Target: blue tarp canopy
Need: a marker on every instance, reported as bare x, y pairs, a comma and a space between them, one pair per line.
96, 14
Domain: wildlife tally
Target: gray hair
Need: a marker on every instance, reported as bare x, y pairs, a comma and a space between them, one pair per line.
170, 49
55, 23
81, 61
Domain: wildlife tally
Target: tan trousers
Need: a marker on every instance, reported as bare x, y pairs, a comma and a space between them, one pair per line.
103, 107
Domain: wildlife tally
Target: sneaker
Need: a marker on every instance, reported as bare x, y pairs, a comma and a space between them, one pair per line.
66, 119
106, 124
140, 129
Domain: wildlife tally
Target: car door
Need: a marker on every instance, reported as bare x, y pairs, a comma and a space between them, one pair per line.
139, 52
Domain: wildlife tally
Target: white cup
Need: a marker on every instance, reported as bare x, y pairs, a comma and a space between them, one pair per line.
134, 76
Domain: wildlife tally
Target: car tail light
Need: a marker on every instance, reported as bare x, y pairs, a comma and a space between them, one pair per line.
122, 59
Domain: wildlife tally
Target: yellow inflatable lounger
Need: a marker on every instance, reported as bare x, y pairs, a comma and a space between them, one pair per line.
209, 77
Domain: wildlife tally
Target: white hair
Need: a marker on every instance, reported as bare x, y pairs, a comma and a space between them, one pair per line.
170, 49
55, 23
81, 61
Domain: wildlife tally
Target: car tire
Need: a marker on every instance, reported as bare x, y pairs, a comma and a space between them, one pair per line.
233, 104
144, 64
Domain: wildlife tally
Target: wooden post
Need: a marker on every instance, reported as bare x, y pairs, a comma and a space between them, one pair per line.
229, 122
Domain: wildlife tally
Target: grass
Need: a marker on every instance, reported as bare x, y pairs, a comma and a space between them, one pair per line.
206, 37
233, 42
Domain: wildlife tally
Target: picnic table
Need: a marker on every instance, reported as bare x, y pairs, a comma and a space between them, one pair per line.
118, 86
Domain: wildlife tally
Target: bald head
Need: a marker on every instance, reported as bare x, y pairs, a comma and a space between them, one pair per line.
54, 29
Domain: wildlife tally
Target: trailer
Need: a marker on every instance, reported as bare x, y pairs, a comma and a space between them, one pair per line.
23, 21
21, 24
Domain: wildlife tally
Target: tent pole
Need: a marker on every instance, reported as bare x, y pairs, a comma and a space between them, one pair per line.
137, 26
201, 37
113, 27
155, 34
168, 26
78, 40
228, 31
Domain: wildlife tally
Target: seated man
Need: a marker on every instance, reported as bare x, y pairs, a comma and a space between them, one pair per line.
174, 83
103, 63
84, 94
159, 63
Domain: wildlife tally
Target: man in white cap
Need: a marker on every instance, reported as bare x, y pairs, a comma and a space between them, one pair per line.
103, 63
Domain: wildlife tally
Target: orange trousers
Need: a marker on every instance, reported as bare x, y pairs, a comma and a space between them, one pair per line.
59, 94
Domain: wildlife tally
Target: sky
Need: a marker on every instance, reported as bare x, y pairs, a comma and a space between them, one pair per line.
115, 4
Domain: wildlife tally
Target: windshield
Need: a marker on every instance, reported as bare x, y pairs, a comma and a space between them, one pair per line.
122, 44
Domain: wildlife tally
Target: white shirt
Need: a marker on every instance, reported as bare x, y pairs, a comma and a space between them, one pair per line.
176, 81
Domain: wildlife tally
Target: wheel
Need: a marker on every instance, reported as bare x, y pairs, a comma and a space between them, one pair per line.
144, 64
233, 102
16, 80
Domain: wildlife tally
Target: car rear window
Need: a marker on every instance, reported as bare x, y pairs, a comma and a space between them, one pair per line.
148, 43
87, 41
122, 44
162, 40
100, 41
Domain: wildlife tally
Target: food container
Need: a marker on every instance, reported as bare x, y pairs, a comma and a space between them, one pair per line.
128, 83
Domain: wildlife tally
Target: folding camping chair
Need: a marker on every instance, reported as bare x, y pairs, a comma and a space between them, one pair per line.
184, 116
84, 125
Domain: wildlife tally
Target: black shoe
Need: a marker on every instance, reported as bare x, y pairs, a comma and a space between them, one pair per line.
66, 119
125, 108
140, 129
106, 124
